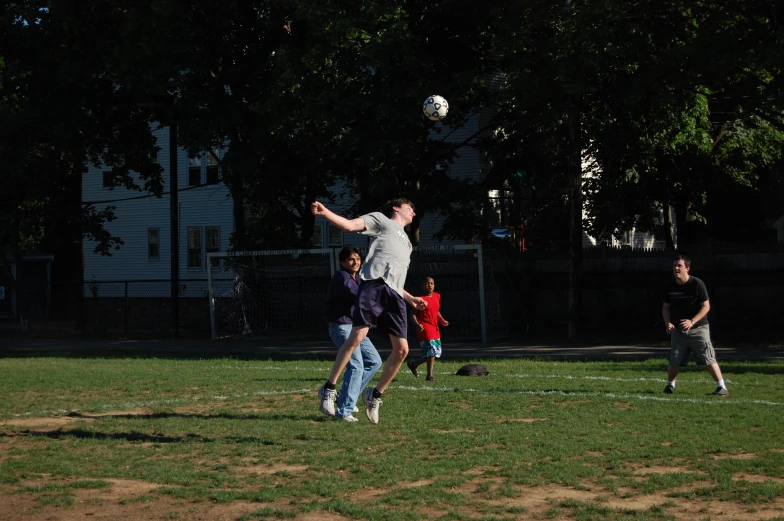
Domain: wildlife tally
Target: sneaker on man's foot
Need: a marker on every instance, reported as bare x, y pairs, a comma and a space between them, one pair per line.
371, 406
430, 379
328, 398
669, 388
413, 368
720, 391
356, 409
347, 419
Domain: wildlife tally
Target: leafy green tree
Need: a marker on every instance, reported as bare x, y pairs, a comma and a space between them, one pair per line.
716, 121
641, 105
58, 110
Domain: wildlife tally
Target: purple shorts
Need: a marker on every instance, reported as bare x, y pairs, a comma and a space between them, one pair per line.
381, 307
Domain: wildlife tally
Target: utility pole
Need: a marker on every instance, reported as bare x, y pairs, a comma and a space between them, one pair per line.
174, 218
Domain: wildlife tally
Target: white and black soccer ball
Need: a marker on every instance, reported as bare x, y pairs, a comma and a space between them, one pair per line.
435, 108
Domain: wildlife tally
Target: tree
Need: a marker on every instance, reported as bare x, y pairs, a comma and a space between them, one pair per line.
637, 92
58, 110
701, 127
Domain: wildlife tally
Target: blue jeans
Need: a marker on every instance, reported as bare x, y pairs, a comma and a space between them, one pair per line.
363, 364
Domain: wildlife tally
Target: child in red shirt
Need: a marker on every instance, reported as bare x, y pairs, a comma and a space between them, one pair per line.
427, 321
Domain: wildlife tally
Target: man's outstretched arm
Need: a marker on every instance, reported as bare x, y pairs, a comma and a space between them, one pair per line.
349, 225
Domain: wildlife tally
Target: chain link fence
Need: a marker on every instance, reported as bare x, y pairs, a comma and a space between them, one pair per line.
131, 305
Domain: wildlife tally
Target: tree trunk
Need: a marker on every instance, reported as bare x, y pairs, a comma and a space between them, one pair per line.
240, 239
681, 212
76, 291
234, 180
574, 172
669, 242
307, 219
413, 233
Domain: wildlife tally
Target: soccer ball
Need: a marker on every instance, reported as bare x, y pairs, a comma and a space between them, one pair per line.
435, 108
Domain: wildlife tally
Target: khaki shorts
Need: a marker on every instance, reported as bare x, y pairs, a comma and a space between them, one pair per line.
695, 342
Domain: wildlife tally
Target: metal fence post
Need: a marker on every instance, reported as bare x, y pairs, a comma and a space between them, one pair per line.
126, 308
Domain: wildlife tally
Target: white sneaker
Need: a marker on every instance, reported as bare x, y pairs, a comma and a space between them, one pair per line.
356, 409
371, 406
328, 398
347, 419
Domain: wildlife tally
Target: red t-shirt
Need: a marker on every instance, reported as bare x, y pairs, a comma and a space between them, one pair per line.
428, 317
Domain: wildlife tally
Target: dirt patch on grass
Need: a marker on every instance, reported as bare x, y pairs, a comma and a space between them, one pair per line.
489, 446
55, 423
479, 471
130, 500
520, 420
101, 509
565, 403
660, 469
741, 456
138, 411
123, 499
756, 478
321, 516
268, 470
537, 501
59, 422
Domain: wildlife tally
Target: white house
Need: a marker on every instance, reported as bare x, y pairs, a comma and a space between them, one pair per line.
143, 223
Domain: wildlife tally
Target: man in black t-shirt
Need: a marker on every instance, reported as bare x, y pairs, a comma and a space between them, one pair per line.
685, 313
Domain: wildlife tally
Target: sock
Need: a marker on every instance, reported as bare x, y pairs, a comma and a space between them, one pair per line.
376, 394
671, 382
720, 383
329, 386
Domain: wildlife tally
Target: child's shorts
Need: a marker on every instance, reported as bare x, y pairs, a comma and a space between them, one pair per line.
431, 348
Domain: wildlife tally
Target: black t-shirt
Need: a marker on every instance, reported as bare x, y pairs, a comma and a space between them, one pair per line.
685, 300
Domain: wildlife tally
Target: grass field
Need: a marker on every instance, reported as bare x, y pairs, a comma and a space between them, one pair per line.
145, 438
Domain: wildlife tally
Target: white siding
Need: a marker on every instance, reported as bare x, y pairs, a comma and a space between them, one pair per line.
202, 207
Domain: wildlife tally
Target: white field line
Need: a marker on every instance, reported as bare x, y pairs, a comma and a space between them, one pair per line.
551, 376
614, 396
615, 379
119, 406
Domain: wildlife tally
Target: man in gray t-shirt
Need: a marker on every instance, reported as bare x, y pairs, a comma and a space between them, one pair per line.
381, 298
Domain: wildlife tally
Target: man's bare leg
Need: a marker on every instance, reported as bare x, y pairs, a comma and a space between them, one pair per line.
672, 372
393, 363
715, 372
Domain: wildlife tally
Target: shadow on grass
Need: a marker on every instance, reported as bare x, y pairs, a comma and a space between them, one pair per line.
169, 415
134, 436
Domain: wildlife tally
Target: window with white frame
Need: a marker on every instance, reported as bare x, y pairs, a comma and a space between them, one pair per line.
213, 168
153, 243
194, 171
194, 247
213, 244
317, 241
335, 236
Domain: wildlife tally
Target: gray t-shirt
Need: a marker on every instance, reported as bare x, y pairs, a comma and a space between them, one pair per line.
390, 251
